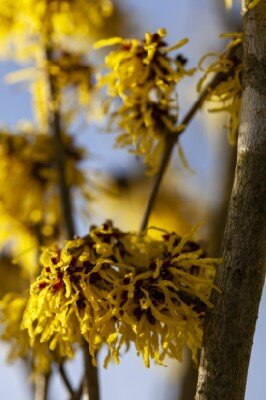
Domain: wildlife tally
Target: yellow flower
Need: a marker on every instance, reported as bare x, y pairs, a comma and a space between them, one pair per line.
12, 307
11, 278
227, 94
160, 304
115, 288
70, 293
144, 77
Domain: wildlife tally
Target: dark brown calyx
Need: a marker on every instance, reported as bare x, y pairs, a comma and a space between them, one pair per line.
181, 59
156, 295
81, 301
94, 277
150, 317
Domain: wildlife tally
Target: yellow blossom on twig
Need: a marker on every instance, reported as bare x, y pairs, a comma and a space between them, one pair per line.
144, 76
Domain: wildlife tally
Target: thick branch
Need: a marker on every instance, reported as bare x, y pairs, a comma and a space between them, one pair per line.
230, 327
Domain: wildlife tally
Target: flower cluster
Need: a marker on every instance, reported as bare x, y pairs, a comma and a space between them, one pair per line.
61, 23
227, 94
116, 288
27, 169
144, 77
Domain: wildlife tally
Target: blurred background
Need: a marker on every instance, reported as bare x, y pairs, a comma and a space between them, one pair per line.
122, 190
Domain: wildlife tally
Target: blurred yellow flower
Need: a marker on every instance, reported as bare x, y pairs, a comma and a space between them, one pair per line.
144, 77
27, 24
11, 278
126, 199
227, 94
73, 80
12, 308
28, 173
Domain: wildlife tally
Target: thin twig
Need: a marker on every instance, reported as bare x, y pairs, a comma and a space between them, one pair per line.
56, 131
65, 379
91, 377
78, 393
170, 141
169, 145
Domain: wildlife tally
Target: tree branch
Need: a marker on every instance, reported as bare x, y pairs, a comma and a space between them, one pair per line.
78, 393
230, 326
91, 377
169, 145
170, 141
56, 131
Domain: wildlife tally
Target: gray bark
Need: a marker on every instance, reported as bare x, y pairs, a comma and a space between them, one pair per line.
230, 326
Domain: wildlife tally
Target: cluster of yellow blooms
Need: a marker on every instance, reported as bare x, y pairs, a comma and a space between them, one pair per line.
27, 168
29, 29
227, 93
144, 77
115, 288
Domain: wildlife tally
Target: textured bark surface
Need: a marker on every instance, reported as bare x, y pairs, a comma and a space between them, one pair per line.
230, 326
